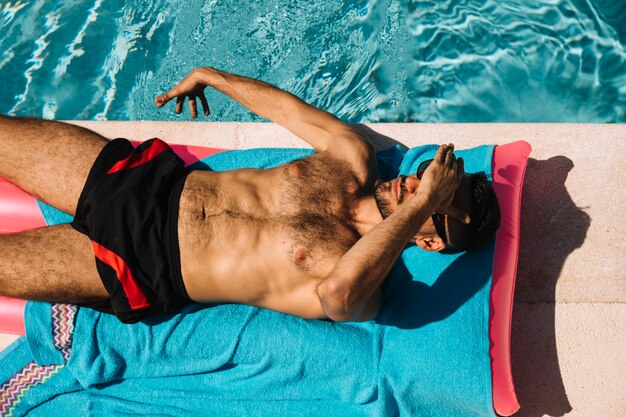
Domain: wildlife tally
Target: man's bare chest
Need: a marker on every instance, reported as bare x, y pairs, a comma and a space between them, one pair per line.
300, 212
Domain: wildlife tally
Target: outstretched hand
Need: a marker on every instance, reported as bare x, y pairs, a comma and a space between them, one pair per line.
441, 180
190, 87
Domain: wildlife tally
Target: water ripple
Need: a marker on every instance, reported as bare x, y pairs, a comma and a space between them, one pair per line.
9, 11
129, 31
364, 60
38, 56
72, 49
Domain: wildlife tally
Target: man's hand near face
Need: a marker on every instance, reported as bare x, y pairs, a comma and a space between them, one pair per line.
441, 180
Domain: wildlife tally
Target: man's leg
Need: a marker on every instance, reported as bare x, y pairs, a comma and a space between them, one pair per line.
53, 264
49, 160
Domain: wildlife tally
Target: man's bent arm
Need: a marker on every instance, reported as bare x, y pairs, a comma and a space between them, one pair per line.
351, 292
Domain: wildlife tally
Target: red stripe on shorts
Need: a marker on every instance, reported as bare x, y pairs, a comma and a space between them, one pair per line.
136, 298
136, 159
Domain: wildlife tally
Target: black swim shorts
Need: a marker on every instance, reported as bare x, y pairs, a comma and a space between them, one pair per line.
129, 210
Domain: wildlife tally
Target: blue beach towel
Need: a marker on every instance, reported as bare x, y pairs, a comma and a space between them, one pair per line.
426, 354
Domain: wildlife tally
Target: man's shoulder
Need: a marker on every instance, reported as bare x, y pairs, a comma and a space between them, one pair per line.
358, 155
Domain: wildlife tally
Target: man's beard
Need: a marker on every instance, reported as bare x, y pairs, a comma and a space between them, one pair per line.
381, 202
382, 193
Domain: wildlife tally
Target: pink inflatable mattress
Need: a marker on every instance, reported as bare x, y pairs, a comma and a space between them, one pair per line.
19, 211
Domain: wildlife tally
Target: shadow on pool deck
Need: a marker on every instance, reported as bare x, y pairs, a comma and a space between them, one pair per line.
552, 228
378, 140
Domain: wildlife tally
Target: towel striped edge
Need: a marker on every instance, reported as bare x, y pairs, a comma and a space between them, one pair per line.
13, 391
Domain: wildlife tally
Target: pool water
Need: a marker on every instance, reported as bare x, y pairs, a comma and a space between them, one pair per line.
365, 61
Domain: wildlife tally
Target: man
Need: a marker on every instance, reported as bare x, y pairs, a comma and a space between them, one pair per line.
313, 238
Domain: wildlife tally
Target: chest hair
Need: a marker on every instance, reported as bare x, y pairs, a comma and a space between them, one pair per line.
320, 195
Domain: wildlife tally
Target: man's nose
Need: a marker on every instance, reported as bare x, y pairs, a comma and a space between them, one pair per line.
411, 184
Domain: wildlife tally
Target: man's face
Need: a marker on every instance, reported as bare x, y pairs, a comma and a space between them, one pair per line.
391, 194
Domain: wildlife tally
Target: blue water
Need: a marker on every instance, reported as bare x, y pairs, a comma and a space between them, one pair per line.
365, 61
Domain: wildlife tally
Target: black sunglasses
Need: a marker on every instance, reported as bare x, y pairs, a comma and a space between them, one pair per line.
438, 219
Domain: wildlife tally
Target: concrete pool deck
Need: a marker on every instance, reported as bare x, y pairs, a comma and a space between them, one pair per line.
568, 335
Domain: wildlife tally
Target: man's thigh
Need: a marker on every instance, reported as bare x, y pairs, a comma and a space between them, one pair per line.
49, 160
54, 264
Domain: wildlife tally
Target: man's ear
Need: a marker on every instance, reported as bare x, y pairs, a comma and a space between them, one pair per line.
431, 244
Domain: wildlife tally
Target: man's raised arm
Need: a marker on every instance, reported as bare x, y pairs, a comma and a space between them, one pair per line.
317, 127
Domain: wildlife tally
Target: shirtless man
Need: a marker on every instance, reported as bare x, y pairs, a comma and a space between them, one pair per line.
313, 238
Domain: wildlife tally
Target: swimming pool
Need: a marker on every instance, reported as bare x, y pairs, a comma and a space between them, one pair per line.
365, 61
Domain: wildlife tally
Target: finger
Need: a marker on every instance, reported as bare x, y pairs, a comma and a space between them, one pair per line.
162, 99
460, 168
179, 104
441, 153
449, 158
205, 104
193, 107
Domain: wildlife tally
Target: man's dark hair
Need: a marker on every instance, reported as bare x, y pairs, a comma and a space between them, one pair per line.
484, 211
